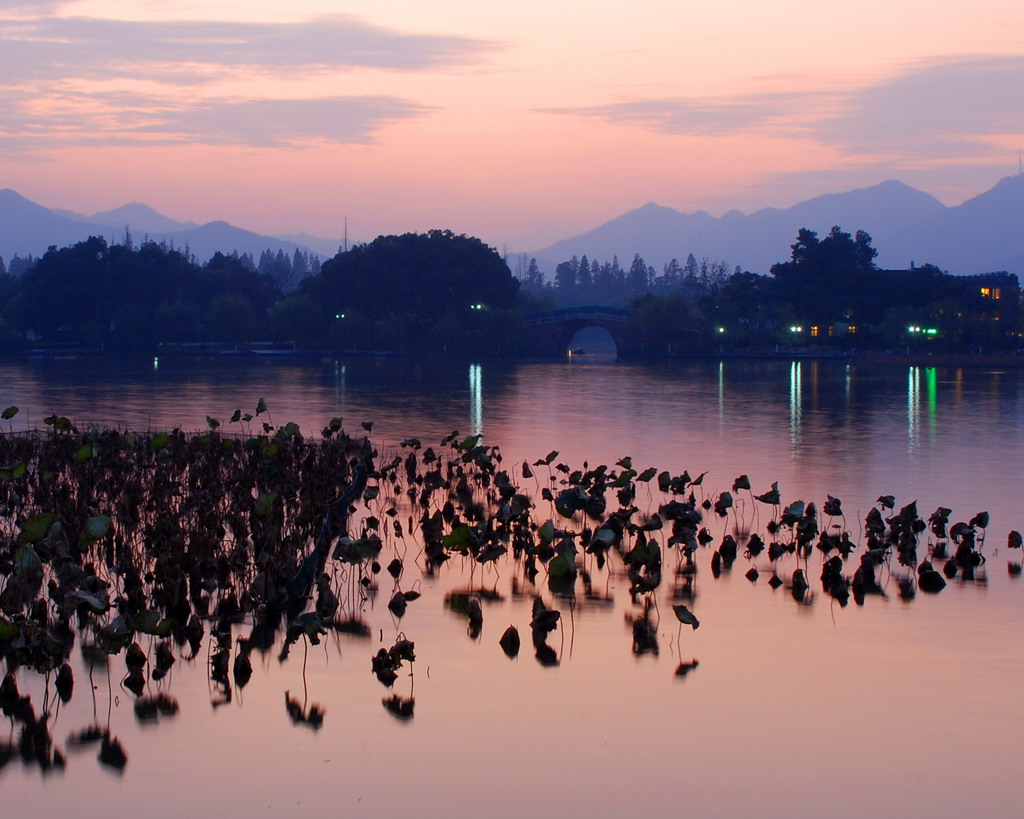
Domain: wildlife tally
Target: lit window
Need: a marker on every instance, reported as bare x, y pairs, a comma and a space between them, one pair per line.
814, 331
986, 292
997, 293
851, 329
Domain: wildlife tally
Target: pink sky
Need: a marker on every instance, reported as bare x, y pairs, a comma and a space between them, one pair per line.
520, 122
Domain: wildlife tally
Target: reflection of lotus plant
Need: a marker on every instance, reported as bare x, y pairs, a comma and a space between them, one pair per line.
683, 669
400, 707
146, 543
685, 618
299, 714
386, 662
510, 642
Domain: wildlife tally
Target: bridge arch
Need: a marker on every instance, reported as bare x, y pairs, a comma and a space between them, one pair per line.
552, 331
593, 339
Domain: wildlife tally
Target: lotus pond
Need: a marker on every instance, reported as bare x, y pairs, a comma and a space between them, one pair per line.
435, 588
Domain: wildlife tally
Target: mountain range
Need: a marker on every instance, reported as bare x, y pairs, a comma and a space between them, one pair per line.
981, 235
907, 226
27, 228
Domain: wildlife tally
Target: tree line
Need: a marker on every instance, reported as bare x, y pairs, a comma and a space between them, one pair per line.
829, 293
580, 280
439, 291
418, 291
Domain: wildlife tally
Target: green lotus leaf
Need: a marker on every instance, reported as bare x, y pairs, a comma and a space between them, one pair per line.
34, 528
8, 630
458, 539
265, 503
96, 528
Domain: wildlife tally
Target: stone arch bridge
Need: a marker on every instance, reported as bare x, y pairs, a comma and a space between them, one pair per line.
551, 331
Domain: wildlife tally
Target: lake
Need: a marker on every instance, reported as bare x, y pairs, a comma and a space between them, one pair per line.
779, 706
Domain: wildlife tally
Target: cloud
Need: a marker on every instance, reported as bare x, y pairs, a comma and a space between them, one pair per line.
33, 8
130, 119
53, 48
280, 122
942, 109
64, 80
697, 117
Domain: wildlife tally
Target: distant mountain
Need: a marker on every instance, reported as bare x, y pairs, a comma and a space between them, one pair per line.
27, 228
983, 234
205, 240
325, 248
906, 225
141, 219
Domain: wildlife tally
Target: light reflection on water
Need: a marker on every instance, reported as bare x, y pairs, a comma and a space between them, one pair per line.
796, 403
793, 710
476, 399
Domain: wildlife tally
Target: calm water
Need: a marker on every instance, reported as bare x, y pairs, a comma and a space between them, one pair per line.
893, 707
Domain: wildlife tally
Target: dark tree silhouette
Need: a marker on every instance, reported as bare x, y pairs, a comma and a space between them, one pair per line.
419, 273
831, 279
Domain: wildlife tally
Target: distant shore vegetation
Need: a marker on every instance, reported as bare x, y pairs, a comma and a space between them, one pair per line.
441, 292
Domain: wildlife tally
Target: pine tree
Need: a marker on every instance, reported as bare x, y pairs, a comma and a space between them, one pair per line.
534, 275
638, 277
300, 264
583, 277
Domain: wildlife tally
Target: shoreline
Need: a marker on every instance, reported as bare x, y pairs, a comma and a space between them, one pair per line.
876, 358
954, 360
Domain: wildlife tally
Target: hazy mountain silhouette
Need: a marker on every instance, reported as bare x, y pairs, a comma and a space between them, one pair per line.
141, 219
205, 240
981, 235
907, 225
324, 248
26, 227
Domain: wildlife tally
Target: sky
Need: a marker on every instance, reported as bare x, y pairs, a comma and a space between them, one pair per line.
521, 123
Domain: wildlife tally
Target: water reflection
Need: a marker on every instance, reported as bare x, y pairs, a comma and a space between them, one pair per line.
660, 413
913, 406
721, 397
849, 426
915, 412
476, 399
796, 403
339, 389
